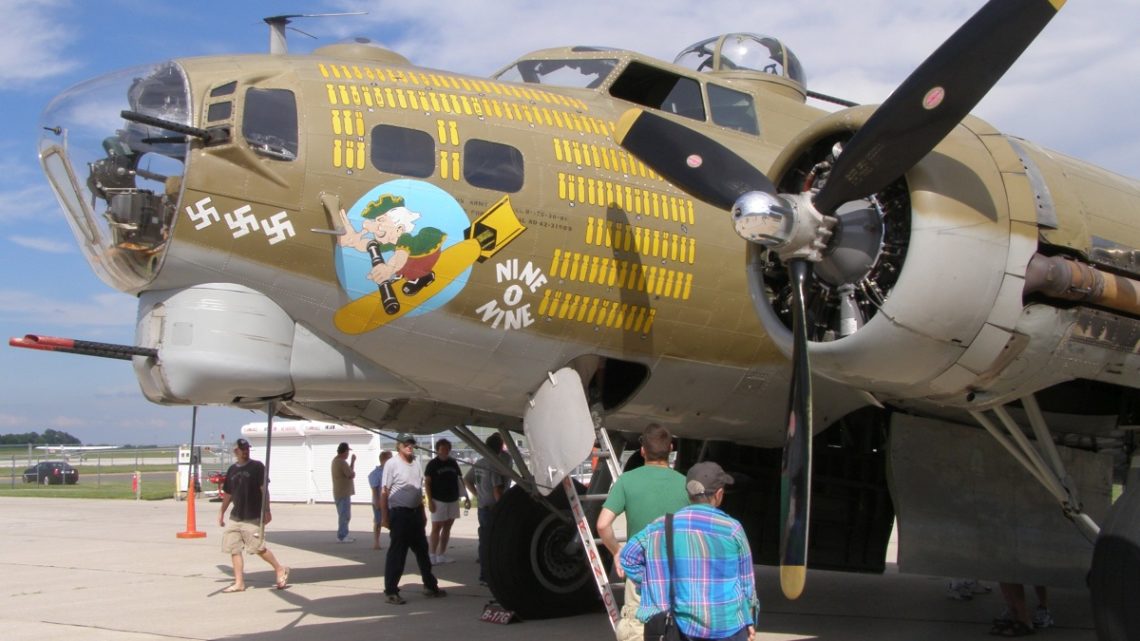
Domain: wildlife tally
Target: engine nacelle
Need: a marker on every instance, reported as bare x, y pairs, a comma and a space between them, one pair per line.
929, 301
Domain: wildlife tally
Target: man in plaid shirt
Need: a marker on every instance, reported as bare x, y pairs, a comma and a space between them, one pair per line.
715, 588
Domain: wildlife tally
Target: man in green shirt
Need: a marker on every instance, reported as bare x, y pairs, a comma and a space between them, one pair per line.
644, 495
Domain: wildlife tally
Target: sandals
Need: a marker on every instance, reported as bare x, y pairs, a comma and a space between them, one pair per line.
232, 589
283, 581
1011, 629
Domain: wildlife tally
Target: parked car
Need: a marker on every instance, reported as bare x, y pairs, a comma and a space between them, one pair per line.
51, 472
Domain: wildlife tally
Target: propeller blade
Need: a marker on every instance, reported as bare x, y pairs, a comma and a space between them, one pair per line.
695, 163
795, 472
935, 98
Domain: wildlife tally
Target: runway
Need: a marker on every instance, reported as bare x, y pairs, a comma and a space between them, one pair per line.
102, 570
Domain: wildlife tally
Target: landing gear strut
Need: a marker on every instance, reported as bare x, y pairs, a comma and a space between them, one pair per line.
1114, 578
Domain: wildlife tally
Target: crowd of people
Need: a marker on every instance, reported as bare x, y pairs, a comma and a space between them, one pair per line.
685, 561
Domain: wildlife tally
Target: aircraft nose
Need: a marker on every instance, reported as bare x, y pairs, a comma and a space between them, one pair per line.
119, 181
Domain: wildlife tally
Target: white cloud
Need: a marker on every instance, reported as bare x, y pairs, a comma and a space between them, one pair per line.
1070, 83
31, 39
26, 202
65, 422
103, 310
10, 421
145, 422
49, 245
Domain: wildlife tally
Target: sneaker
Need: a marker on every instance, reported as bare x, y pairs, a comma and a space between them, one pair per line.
1006, 617
960, 589
443, 559
434, 559
434, 593
347, 539
1042, 618
394, 599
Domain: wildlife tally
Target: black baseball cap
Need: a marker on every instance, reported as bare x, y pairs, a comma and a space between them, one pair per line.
242, 443
705, 478
406, 438
342, 448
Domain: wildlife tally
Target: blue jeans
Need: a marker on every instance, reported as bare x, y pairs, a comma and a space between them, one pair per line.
343, 514
485, 516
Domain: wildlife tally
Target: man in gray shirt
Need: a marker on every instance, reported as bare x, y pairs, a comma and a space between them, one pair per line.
402, 511
488, 485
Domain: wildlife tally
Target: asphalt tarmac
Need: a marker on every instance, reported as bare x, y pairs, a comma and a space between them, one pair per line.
102, 570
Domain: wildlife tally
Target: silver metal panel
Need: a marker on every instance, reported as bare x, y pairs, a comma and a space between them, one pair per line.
558, 428
1046, 211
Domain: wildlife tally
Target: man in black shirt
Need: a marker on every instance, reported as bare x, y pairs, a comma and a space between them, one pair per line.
443, 483
243, 487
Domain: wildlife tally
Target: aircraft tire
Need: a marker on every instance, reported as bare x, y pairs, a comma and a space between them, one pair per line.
535, 567
1114, 580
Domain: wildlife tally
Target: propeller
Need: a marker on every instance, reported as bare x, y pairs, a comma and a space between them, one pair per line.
904, 129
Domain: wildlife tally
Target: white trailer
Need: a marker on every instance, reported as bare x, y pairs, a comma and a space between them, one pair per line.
301, 459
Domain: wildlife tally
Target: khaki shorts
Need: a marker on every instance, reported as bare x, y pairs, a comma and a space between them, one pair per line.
445, 511
629, 627
242, 535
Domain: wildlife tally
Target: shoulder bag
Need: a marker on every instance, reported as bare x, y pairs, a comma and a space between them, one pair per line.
662, 626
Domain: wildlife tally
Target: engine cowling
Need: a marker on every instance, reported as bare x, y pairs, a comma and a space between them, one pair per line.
921, 293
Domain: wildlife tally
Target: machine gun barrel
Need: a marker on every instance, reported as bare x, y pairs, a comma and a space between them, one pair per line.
85, 348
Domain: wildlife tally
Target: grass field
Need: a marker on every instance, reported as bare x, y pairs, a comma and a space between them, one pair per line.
107, 482
108, 489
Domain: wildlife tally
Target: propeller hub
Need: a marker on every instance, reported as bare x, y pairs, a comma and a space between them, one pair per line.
789, 224
760, 217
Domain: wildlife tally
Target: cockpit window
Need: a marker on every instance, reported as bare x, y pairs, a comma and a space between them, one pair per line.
581, 73
660, 89
733, 109
269, 123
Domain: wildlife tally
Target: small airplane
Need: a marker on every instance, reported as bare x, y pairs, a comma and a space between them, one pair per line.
918, 317
75, 448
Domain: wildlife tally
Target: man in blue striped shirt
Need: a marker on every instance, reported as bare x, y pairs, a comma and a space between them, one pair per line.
714, 585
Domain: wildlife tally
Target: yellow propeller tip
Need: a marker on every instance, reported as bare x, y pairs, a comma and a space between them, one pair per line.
792, 579
625, 123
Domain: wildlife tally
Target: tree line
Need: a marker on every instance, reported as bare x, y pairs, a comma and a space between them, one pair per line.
48, 437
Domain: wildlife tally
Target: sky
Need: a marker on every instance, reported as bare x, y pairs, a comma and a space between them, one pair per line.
1073, 91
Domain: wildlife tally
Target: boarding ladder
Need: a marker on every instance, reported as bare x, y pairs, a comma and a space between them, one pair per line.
585, 534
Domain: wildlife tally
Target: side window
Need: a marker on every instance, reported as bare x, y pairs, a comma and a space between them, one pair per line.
219, 111
492, 165
403, 151
269, 123
660, 89
733, 109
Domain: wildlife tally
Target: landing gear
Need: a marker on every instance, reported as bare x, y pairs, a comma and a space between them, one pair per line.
1114, 580
536, 566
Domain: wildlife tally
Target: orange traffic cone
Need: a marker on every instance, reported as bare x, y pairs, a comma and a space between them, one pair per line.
192, 531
